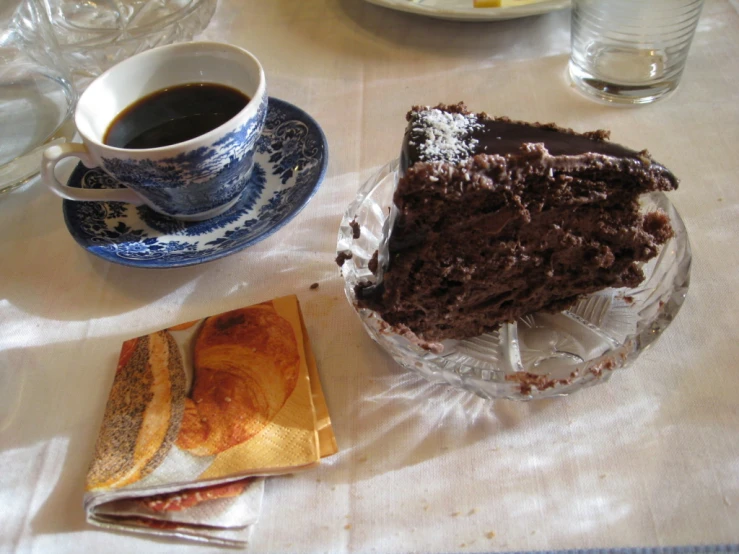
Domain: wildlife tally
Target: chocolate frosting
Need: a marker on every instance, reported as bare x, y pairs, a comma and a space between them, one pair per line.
505, 137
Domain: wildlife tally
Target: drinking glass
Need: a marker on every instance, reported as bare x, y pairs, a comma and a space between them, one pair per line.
631, 51
37, 97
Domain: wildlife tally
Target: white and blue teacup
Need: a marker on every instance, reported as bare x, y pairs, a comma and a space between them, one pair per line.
192, 180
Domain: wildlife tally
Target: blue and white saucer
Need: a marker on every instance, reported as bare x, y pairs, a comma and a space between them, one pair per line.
289, 165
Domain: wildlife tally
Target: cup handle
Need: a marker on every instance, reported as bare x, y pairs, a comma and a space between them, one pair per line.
55, 154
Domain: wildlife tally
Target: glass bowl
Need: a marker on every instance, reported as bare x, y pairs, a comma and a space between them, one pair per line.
96, 35
541, 354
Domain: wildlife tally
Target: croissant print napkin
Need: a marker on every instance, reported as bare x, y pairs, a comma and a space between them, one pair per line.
198, 414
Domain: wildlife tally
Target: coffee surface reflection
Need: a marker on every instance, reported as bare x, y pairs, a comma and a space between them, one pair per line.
173, 115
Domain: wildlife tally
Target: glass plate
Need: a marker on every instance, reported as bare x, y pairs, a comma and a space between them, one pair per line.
96, 35
542, 354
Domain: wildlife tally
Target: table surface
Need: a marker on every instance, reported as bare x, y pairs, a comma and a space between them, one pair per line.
648, 459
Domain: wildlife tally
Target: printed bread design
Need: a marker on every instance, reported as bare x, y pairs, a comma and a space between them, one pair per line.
188, 498
246, 365
143, 414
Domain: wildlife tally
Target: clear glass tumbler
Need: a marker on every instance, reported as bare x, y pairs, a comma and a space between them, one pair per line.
37, 97
631, 51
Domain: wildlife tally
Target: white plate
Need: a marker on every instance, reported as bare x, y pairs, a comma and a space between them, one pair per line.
462, 10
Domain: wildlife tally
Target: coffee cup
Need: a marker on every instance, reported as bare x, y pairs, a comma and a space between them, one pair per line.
124, 121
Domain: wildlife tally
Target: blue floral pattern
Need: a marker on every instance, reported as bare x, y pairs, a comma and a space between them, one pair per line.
289, 165
198, 180
289, 144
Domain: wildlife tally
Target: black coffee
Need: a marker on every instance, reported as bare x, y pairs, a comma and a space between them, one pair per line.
174, 114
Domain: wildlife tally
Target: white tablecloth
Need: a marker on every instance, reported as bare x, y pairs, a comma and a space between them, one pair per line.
649, 459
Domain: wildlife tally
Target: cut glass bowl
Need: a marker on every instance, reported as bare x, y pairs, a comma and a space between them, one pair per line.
96, 35
542, 354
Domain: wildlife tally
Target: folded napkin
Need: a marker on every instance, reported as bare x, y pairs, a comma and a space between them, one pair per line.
198, 414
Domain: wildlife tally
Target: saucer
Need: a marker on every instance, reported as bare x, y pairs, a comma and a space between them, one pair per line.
289, 165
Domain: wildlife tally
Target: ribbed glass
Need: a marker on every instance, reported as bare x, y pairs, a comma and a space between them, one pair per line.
631, 51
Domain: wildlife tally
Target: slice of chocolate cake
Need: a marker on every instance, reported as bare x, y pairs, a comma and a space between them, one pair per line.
497, 219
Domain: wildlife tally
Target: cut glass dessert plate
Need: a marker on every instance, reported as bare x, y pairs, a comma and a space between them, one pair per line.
542, 354
96, 35
289, 165
463, 10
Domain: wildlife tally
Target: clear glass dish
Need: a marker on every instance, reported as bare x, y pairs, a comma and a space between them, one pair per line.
540, 355
96, 35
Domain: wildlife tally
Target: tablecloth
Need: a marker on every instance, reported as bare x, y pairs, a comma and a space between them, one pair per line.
648, 459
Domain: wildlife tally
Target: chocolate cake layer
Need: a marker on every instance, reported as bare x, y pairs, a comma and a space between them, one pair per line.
490, 229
